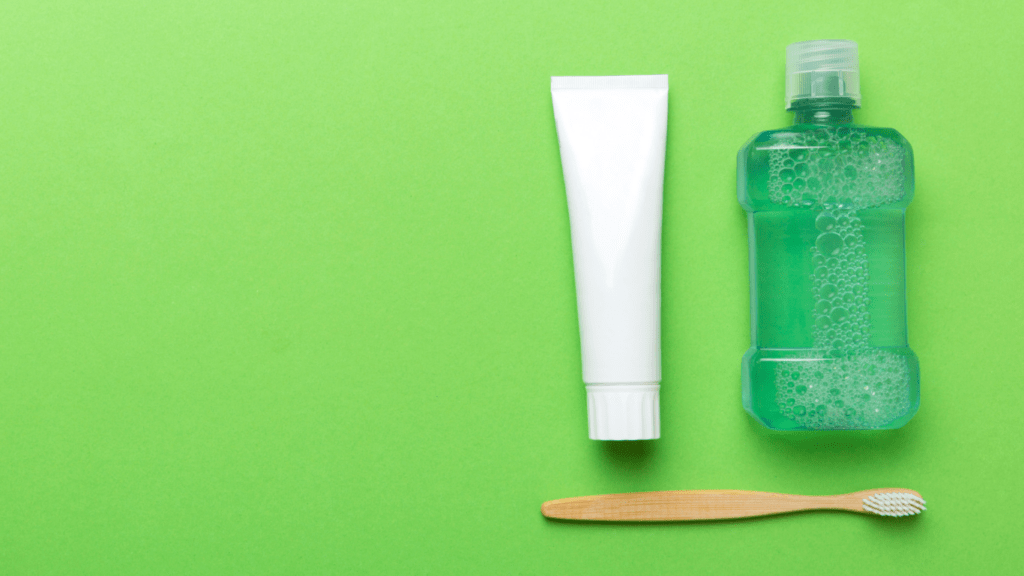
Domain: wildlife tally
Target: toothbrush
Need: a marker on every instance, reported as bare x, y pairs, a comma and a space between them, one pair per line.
722, 504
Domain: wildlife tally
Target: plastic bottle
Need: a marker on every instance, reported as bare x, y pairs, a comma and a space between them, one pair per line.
825, 200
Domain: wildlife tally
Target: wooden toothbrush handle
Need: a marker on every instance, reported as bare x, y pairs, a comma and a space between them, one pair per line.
691, 505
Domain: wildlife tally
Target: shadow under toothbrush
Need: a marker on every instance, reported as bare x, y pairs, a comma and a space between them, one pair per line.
894, 525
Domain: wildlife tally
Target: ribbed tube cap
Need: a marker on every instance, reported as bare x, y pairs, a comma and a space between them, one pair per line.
623, 411
822, 69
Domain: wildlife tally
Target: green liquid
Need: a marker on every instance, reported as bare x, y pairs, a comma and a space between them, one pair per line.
828, 288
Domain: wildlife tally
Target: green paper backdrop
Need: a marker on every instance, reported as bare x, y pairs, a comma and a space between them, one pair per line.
286, 288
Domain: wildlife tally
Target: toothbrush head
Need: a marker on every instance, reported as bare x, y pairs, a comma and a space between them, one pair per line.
894, 504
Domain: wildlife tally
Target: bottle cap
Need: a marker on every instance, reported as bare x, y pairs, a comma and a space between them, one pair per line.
623, 411
822, 69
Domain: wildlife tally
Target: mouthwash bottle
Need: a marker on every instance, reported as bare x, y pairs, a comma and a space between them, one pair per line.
825, 201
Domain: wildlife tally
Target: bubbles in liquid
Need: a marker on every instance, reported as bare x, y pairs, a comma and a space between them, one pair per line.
836, 173
838, 315
864, 171
829, 243
825, 222
863, 390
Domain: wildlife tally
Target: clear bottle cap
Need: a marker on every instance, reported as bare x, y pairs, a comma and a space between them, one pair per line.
822, 69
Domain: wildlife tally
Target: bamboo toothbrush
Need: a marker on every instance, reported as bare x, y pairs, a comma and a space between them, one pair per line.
722, 504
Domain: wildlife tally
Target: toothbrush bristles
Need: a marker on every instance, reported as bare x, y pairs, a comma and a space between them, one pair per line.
894, 504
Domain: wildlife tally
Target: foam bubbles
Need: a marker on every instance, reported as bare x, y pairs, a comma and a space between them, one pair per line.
850, 170
836, 173
839, 286
867, 389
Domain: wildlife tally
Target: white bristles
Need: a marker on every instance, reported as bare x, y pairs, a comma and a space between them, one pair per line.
894, 504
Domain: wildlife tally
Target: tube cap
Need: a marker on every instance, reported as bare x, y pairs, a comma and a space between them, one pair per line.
623, 411
822, 69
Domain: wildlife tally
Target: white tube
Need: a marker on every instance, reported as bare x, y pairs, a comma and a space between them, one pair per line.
611, 134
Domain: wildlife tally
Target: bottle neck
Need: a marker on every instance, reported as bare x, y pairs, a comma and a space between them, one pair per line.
824, 111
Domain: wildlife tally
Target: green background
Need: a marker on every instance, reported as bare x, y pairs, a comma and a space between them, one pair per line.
286, 288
